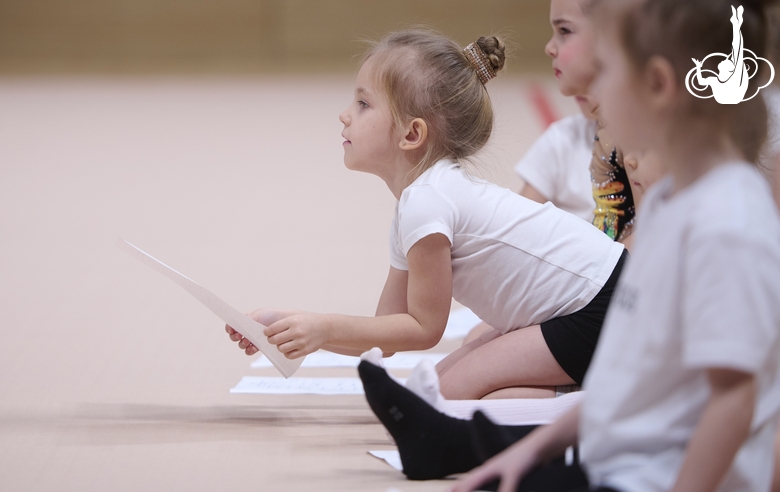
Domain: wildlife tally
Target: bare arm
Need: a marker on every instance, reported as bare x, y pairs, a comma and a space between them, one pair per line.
392, 301
723, 428
428, 298
543, 444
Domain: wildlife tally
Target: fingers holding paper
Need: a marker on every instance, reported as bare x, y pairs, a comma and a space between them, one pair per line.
299, 334
243, 343
265, 317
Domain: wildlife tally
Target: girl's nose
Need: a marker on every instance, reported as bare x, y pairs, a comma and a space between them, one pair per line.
550, 49
343, 118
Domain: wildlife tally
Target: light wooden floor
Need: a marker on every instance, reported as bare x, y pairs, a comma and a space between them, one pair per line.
111, 377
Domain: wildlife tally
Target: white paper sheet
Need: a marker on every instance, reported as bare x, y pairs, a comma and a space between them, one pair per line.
298, 386
391, 457
460, 323
322, 358
248, 327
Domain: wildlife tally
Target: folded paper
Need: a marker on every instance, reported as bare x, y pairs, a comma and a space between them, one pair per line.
249, 328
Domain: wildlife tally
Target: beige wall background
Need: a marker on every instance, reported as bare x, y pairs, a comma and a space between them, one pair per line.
244, 36
206, 132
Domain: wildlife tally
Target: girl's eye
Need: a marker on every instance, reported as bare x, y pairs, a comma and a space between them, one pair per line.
564, 31
362, 104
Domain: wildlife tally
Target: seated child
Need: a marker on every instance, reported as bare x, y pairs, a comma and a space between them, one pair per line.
540, 276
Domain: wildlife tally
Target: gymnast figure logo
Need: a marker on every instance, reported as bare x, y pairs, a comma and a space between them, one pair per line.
730, 85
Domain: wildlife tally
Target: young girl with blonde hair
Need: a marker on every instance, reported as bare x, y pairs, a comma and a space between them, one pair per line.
541, 277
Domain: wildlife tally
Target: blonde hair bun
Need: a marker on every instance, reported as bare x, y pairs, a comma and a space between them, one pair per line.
494, 49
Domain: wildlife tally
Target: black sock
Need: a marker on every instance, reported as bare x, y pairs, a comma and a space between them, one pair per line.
431, 444
556, 476
490, 439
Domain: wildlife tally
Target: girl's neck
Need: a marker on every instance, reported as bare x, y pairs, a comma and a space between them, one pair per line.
399, 175
689, 157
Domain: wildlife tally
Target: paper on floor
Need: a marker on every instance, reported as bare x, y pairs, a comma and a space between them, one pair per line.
322, 358
248, 327
391, 457
299, 386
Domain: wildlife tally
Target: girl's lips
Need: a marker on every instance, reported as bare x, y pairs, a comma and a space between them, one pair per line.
557, 73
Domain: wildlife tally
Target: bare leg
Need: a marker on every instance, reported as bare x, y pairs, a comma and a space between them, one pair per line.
526, 392
518, 358
477, 332
454, 357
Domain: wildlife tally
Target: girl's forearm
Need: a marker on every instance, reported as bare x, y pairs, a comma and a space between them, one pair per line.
391, 333
551, 441
723, 428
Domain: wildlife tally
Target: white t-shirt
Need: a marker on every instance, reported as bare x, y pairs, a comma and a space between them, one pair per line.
558, 165
701, 290
515, 262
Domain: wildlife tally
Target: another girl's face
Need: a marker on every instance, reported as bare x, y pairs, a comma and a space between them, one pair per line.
643, 170
572, 48
370, 142
622, 107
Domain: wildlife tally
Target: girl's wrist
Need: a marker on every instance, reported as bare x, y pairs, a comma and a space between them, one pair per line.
329, 325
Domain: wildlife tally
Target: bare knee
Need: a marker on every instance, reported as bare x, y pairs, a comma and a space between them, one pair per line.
455, 387
521, 392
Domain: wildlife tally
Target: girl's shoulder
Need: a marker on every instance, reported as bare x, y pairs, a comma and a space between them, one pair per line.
735, 200
572, 129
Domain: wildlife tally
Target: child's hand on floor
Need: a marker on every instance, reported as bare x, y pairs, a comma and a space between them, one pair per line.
510, 467
265, 317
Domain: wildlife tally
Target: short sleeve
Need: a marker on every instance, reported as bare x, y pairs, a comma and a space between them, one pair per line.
424, 210
397, 257
538, 167
732, 294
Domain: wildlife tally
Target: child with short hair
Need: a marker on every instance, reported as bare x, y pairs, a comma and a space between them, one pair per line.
556, 166
540, 276
684, 392
575, 164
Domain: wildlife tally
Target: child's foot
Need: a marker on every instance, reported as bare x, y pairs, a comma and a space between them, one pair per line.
424, 382
490, 439
432, 445
373, 356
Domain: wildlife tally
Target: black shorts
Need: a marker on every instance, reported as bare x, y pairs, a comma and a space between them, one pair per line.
572, 338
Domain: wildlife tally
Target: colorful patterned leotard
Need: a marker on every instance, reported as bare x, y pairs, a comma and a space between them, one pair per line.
614, 213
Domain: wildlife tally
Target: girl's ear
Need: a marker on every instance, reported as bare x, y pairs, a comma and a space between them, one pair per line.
661, 82
416, 134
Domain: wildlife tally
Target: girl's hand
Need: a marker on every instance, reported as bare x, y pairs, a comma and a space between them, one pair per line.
544, 443
299, 335
265, 317
510, 467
